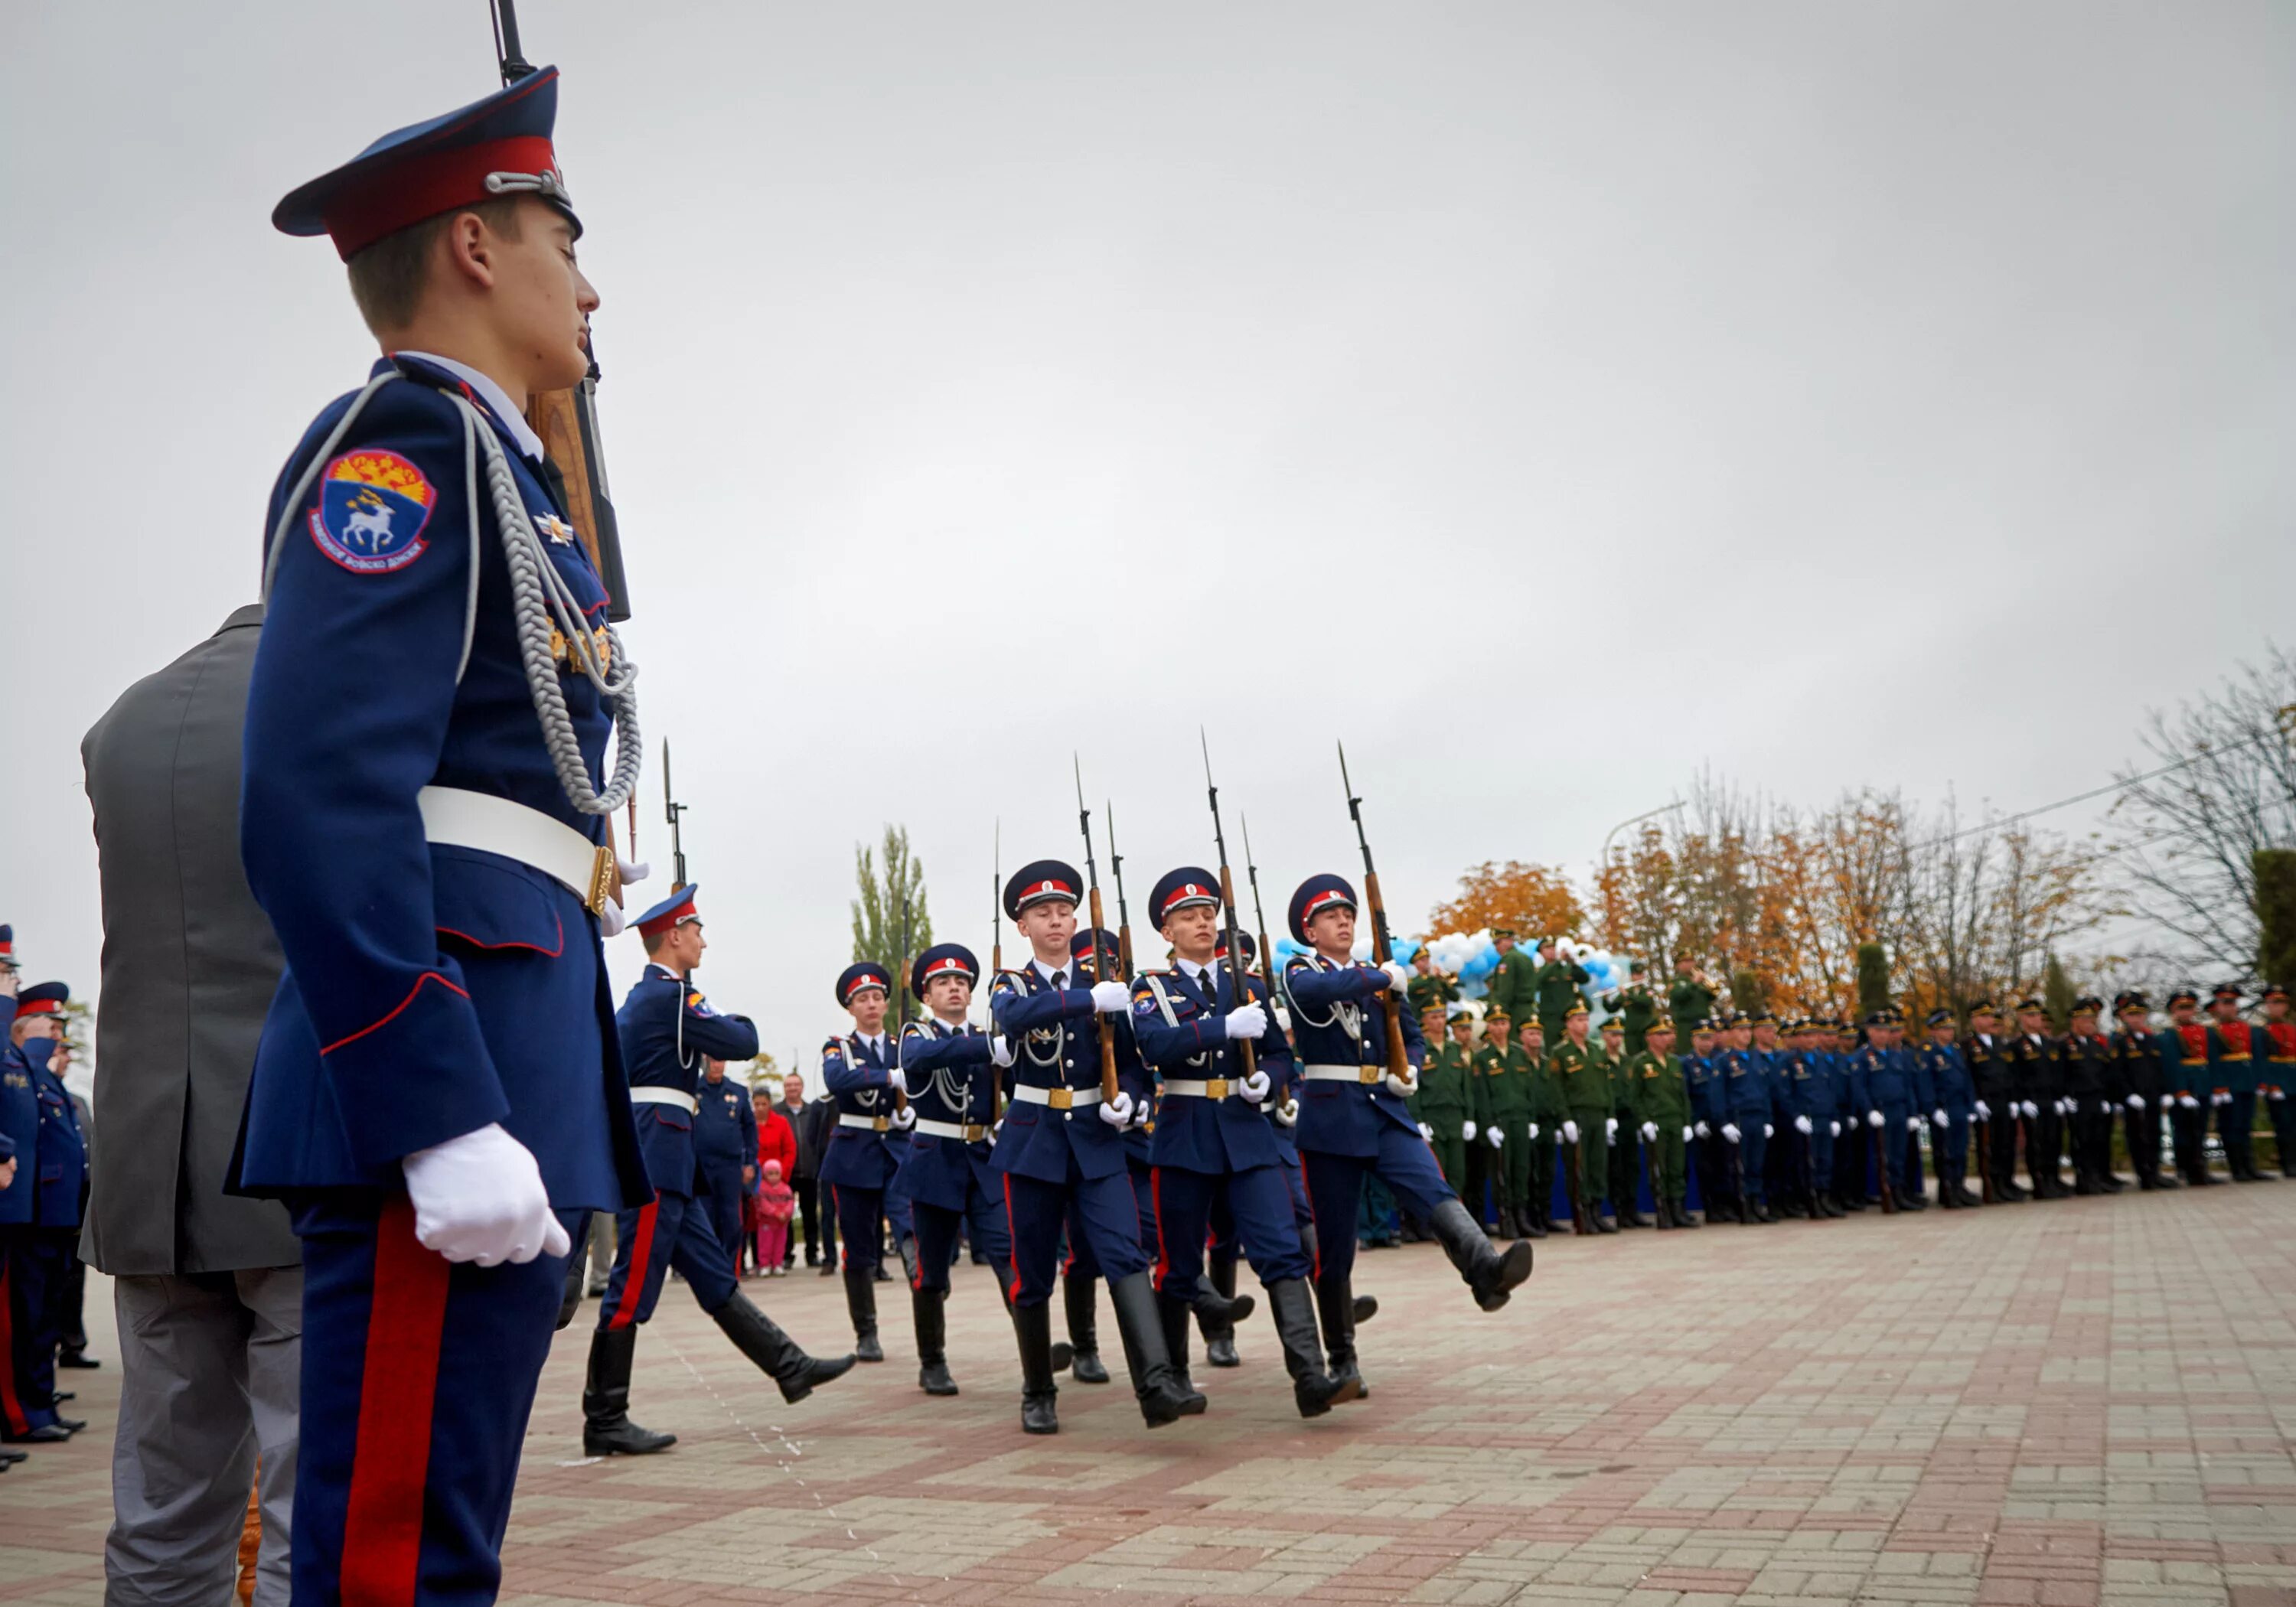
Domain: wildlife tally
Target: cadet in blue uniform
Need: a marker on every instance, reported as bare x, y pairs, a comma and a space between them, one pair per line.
949, 1068
2137, 1056
1952, 1098
1211, 1133
1061, 1153
862, 1070
1081, 1272
1746, 1100
1708, 1112
668, 1031
1218, 1307
437, 1093
39, 1213
1888, 1079
724, 1150
1353, 1120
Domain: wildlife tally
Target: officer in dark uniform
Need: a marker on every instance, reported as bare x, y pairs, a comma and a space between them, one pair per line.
1080, 1271
1853, 1153
1747, 1100
862, 1070
667, 1029
2188, 1078
1885, 1075
2039, 1077
949, 1068
40, 1209
1353, 1120
1708, 1113
2089, 1065
2275, 1047
2232, 1057
1999, 1102
20, 1126
1952, 1098
2137, 1068
724, 1150
1062, 1146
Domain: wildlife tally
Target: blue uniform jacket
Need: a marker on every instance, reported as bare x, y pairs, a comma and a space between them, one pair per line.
666, 1030
19, 1124
1338, 1019
724, 1134
860, 1074
1055, 1036
1178, 1026
1704, 1080
62, 1147
1803, 1086
1745, 1085
1947, 1076
1885, 1077
950, 1079
429, 990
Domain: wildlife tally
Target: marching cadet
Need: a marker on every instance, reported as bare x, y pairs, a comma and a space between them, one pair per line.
1992, 1072
1445, 1098
1689, 999
1621, 1129
948, 1068
668, 1031
1635, 1005
2037, 1073
1954, 1098
41, 1210
1353, 1120
1513, 985
1486, 1191
1061, 1153
1708, 1115
2139, 1062
2233, 1059
1579, 1074
1211, 1132
1747, 1099
1662, 1109
2278, 1077
1080, 1273
2088, 1070
724, 1151
1431, 987
1541, 1131
862, 1161
1219, 1309
2192, 1081
1557, 985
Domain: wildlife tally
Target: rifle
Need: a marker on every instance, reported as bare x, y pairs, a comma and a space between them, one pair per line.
901, 1079
567, 420
1245, 1056
1661, 1210
1981, 1135
1107, 1033
1382, 941
672, 808
1580, 1222
997, 948
1123, 911
1260, 916
1882, 1170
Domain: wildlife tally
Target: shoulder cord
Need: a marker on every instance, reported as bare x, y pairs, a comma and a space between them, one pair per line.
1300, 1011
1172, 1017
956, 1094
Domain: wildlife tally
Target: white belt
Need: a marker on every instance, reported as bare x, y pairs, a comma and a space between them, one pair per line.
1344, 1074
1059, 1098
663, 1096
1184, 1089
867, 1124
965, 1132
497, 825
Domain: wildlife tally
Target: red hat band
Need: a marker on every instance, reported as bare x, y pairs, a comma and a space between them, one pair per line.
439, 181
946, 963
1331, 895
41, 1007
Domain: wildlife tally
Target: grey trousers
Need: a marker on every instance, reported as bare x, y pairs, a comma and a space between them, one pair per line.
211, 1377
601, 1248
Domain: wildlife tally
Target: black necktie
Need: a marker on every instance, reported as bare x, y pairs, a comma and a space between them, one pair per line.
1058, 979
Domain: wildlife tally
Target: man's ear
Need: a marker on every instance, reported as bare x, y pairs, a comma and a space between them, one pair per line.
470, 246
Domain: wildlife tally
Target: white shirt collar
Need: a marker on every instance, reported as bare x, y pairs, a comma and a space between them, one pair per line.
1201, 975
493, 395
1068, 971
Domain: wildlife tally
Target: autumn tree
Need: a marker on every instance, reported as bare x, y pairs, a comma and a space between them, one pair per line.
1536, 900
2275, 917
889, 898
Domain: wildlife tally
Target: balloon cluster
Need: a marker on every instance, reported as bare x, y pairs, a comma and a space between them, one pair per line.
1472, 956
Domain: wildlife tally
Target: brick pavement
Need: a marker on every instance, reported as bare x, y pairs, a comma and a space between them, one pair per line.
2093, 1401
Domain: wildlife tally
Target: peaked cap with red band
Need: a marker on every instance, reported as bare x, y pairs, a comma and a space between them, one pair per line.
7, 946
1317, 894
42, 998
942, 960
491, 148
676, 910
1040, 883
1191, 884
861, 974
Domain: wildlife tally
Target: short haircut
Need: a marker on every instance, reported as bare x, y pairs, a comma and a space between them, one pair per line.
653, 940
388, 277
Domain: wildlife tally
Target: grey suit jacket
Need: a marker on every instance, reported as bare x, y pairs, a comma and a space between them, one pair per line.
190, 964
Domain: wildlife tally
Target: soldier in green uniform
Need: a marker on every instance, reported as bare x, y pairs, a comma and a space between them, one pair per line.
1555, 986
1662, 1100
1505, 1080
1444, 1111
1690, 1001
1634, 1004
1624, 1130
1486, 1190
1583, 1079
1513, 981
1430, 985
1543, 1126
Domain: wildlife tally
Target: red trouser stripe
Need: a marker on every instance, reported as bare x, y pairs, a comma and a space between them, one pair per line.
626, 1311
1315, 1272
11, 1410
1013, 1237
390, 1463
1156, 1195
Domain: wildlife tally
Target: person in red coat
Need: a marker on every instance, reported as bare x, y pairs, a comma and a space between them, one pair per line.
777, 1141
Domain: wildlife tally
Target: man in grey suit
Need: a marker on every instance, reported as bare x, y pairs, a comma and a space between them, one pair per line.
209, 1288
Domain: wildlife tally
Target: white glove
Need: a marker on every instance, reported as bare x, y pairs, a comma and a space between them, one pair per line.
1912, 1123
1245, 1021
1256, 1087
2065, 1107
1498, 1136
1610, 1128
1805, 1126
1467, 1131
1834, 1130
612, 921
905, 1117
1768, 1131
1704, 1131
1402, 1087
1983, 1113
1873, 1118
1939, 1117
2031, 1110
1650, 1132
1570, 1132
631, 870
2188, 1101
1288, 1113
2220, 1099
996, 1129
2136, 1102
1686, 1134
1111, 998
1427, 1132
1116, 1112
480, 1198
1730, 1131
1534, 1129
1000, 1050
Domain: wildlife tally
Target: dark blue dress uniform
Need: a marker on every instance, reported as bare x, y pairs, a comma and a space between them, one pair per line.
724, 1144
1746, 1105
1952, 1090
1063, 1166
34, 1253
1080, 1269
2137, 1060
864, 1150
1702, 1080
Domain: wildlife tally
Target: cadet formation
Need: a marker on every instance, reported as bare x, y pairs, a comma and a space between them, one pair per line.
445, 1096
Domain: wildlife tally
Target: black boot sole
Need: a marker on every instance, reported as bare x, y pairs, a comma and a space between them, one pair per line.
1514, 1270
817, 1373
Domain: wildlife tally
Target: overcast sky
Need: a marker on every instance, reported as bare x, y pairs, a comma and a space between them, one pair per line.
1546, 400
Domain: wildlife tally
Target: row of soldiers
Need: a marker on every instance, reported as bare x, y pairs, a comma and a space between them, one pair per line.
1815, 1117
43, 1177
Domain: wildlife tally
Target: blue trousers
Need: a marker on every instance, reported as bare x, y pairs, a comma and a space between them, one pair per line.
34, 1264
724, 1203
1952, 1143
1262, 1208
1753, 1152
1895, 1141
671, 1230
1081, 1262
937, 1228
1100, 1214
1821, 1153
418, 1377
859, 1211
1334, 1184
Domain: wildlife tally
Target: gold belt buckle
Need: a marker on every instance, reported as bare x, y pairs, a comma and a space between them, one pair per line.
1368, 1074
603, 880
1059, 1099
878, 1124
1216, 1087
974, 1132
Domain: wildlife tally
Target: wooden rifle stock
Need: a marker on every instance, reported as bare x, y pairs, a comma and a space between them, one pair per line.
1108, 1088
1399, 1059
1245, 1052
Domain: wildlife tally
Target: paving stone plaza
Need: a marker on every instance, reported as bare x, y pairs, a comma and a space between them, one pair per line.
2089, 1401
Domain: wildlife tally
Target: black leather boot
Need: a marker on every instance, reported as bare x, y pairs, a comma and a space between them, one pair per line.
1365, 1307
861, 1305
1082, 1297
1492, 1274
755, 1335
1032, 1330
1172, 1321
1164, 1396
932, 1341
1316, 1390
907, 1246
607, 1430
1219, 1332
1336, 1305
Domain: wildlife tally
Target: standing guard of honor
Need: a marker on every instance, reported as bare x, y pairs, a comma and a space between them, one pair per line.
2276, 1076
2141, 1063
1992, 1072
39, 1216
1953, 1098
862, 1072
2232, 1082
669, 1031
